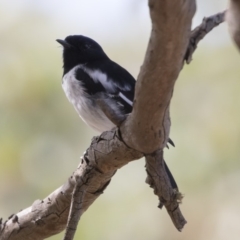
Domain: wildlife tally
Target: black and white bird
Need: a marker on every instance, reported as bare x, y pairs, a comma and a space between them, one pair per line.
92, 83
100, 90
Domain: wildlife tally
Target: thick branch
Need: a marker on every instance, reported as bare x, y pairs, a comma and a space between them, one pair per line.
45, 218
233, 20
201, 31
147, 128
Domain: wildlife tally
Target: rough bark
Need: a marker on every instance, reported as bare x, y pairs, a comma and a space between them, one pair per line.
233, 20
47, 217
146, 130
158, 179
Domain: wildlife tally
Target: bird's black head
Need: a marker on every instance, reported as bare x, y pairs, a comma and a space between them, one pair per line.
78, 49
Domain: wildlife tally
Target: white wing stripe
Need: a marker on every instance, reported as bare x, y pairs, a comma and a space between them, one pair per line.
97, 75
125, 99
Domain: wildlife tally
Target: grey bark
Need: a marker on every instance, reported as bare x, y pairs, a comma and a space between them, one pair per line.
47, 217
158, 179
201, 31
144, 133
147, 128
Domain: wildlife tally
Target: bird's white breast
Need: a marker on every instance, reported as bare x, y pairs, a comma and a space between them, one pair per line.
84, 104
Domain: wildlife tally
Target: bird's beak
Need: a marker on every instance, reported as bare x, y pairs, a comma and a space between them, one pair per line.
63, 43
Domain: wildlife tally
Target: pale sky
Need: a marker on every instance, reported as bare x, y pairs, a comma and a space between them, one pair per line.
106, 19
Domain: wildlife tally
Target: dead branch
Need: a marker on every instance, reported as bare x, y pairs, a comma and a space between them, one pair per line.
147, 127
158, 179
47, 217
201, 31
76, 209
146, 130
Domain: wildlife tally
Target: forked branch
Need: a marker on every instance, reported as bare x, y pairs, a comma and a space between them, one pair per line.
201, 31
146, 130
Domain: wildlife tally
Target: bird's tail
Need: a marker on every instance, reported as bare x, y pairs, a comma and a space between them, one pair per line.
171, 178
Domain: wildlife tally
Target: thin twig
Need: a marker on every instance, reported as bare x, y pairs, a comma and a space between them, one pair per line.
75, 213
76, 209
201, 31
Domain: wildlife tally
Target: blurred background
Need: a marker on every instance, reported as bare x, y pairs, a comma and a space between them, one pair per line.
42, 138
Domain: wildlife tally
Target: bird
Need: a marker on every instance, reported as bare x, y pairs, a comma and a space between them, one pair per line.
101, 91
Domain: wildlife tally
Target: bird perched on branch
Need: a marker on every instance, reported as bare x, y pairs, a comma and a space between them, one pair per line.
100, 90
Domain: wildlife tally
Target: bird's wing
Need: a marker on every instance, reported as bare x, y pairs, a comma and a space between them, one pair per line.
109, 78
96, 82
90, 85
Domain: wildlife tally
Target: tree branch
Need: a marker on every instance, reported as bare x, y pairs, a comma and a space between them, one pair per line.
201, 31
76, 209
45, 218
147, 127
233, 20
146, 130
158, 179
